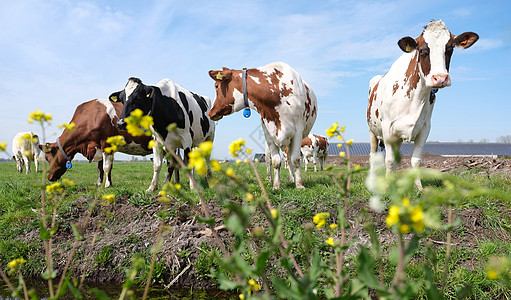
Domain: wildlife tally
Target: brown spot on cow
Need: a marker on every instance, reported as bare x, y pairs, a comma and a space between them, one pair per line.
395, 88
412, 76
306, 141
372, 97
377, 113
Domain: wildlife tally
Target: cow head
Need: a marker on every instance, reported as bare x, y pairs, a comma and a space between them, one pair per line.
137, 95
55, 159
434, 49
225, 86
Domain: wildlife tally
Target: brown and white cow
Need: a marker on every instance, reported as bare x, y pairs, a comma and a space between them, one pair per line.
402, 100
287, 105
315, 147
95, 121
24, 150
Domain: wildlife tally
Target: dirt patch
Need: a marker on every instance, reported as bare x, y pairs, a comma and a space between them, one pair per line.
483, 164
125, 230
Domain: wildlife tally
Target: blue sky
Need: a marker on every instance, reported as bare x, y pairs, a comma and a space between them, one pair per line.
56, 54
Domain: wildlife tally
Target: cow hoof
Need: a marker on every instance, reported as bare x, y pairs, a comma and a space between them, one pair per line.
151, 189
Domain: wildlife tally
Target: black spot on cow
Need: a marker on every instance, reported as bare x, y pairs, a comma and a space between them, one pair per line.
204, 122
184, 100
191, 132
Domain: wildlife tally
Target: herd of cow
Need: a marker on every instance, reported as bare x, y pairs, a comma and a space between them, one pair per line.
400, 106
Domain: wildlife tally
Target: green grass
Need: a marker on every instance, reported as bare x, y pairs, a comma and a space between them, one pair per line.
20, 195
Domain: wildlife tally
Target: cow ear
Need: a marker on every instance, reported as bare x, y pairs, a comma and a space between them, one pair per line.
465, 40
150, 92
223, 75
407, 44
114, 97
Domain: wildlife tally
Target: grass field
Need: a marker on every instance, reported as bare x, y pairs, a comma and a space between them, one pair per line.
484, 228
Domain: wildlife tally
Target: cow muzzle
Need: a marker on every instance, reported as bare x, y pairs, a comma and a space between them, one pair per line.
440, 80
121, 124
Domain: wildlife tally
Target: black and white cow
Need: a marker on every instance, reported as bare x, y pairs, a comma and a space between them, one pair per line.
168, 102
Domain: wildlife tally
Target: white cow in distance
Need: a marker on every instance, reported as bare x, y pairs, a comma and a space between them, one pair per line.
25, 148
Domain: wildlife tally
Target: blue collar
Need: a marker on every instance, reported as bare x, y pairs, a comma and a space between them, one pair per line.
246, 111
68, 160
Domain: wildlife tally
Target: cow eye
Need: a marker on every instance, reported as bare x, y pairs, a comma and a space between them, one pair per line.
424, 51
216, 86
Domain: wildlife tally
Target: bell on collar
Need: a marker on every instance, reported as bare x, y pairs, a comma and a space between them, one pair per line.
68, 164
246, 112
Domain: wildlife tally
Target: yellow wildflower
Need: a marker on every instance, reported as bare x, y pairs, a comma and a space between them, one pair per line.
274, 213
177, 186
330, 241
68, 182
238, 161
332, 131
15, 264
492, 274
138, 124
235, 147
3, 146
205, 147
333, 226
343, 128
249, 150
404, 228
215, 166
349, 142
229, 172
70, 126
151, 143
110, 198
320, 219
255, 286
241, 296
342, 154
39, 116
114, 141
356, 167
406, 202
249, 197
393, 216
30, 138
54, 187
197, 161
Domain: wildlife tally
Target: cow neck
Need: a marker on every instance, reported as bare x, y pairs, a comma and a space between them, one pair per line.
68, 159
246, 111
152, 105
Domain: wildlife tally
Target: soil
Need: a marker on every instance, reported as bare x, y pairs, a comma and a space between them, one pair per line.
130, 229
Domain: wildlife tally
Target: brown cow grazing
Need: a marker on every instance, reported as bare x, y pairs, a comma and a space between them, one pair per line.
95, 121
315, 147
401, 101
287, 105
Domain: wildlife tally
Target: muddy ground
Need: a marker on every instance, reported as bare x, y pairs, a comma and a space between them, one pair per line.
129, 229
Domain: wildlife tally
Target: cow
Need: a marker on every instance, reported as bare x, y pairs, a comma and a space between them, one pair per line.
169, 103
315, 146
25, 149
94, 121
402, 100
286, 103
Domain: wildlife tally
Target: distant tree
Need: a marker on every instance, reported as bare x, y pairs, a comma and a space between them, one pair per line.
504, 139
484, 141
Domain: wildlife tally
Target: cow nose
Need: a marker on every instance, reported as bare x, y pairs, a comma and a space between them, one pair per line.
121, 124
440, 80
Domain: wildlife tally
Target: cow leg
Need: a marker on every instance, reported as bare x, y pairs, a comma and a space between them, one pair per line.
26, 160
176, 168
186, 161
418, 148
267, 159
305, 162
157, 162
108, 160
36, 162
315, 161
19, 164
295, 156
100, 172
390, 159
373, 142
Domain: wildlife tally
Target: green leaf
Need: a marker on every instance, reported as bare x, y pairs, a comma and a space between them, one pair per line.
210, 221
76, 293
234, 224
261, 262
43, 233
76, 233
99, 294
365, 269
